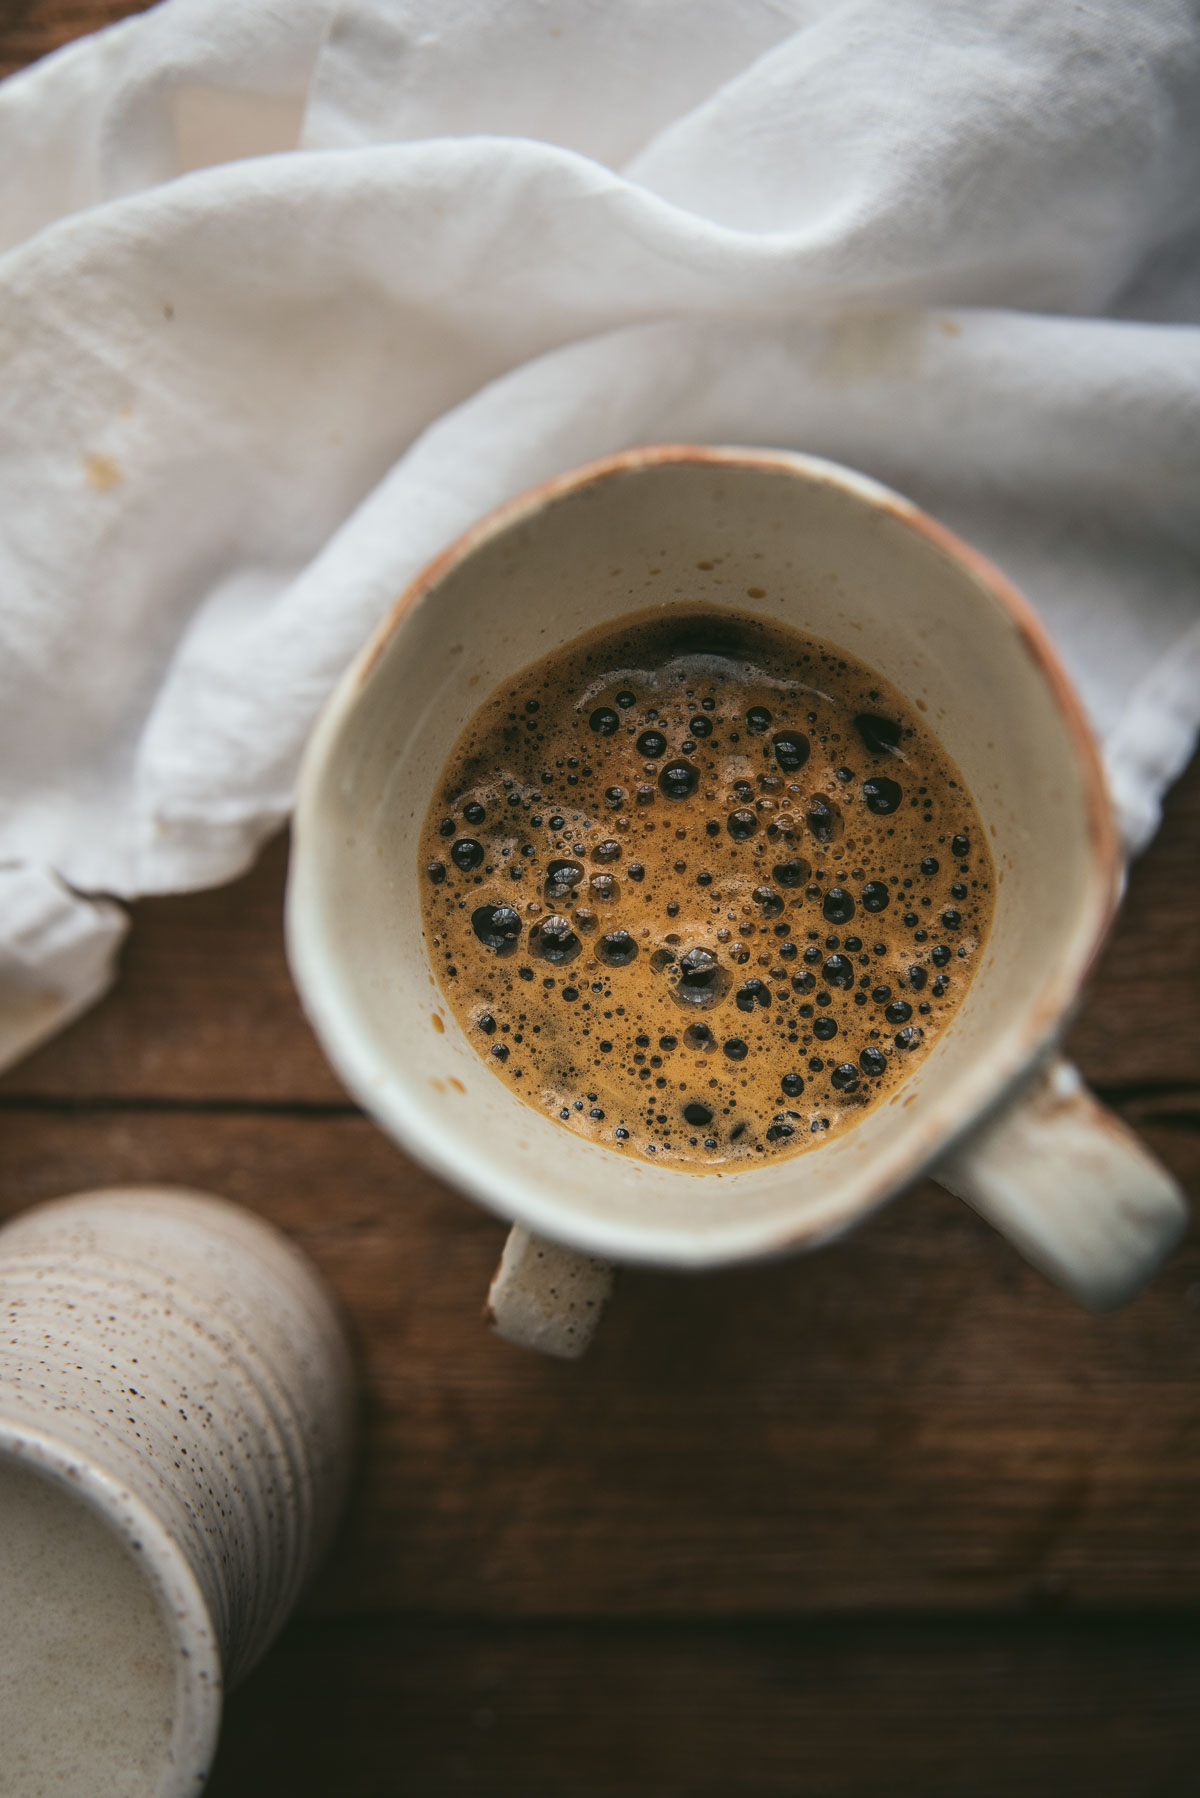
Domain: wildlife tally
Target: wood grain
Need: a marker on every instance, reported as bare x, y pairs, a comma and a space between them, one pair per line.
205, 1009
30, 29
910, 1418
1047, 1708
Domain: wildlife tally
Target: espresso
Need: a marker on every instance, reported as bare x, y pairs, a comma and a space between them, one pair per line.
702, 889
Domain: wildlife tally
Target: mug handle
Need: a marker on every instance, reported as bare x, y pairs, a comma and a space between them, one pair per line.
1071, 1187
547, 1298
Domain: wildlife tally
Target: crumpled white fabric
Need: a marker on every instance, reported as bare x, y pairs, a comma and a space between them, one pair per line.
290, 294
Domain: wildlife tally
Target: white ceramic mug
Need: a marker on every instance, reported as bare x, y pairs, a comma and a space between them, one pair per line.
989, 1112
176, 1417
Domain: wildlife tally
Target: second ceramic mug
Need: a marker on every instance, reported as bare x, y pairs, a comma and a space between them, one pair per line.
990, 1112
176, 1419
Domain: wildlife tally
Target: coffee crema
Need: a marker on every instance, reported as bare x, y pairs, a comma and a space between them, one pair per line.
702, 889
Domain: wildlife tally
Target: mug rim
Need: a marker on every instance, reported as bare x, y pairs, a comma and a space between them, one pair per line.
198, 1676
982, 1089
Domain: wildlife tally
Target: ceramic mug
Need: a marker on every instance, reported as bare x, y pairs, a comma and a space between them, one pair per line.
990, 1112
176, 1416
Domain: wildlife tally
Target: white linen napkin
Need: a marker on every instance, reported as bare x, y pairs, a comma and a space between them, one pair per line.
289, 295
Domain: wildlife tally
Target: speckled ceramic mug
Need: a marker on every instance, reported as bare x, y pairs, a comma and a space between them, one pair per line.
990, 1112
176, 1413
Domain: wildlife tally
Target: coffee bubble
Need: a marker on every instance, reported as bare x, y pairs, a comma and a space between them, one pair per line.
883, 796
824, 819
554, 940
701, 982
879, 735
792, 873
616, 949
562, 878
466, 854
838, 972
678, 780
791, 749
497, 927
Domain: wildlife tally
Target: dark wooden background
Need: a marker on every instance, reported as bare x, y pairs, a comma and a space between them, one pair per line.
895, 1519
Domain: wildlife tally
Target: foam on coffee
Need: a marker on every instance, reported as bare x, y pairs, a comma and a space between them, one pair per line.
87, 1677
703, 889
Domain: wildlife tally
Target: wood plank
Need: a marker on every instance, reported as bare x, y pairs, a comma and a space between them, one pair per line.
1140, 1021
32, 28
205, 1008
1048, 1708
910, 1418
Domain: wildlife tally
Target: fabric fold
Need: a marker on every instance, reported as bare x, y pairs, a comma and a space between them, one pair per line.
57, 955
291, 295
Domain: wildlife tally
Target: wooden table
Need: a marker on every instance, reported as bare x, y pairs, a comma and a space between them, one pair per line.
895, 1519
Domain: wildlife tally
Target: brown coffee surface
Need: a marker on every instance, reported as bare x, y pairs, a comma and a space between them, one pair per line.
702, 889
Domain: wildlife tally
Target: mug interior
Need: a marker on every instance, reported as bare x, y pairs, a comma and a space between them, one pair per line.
834, 556
109, 1673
